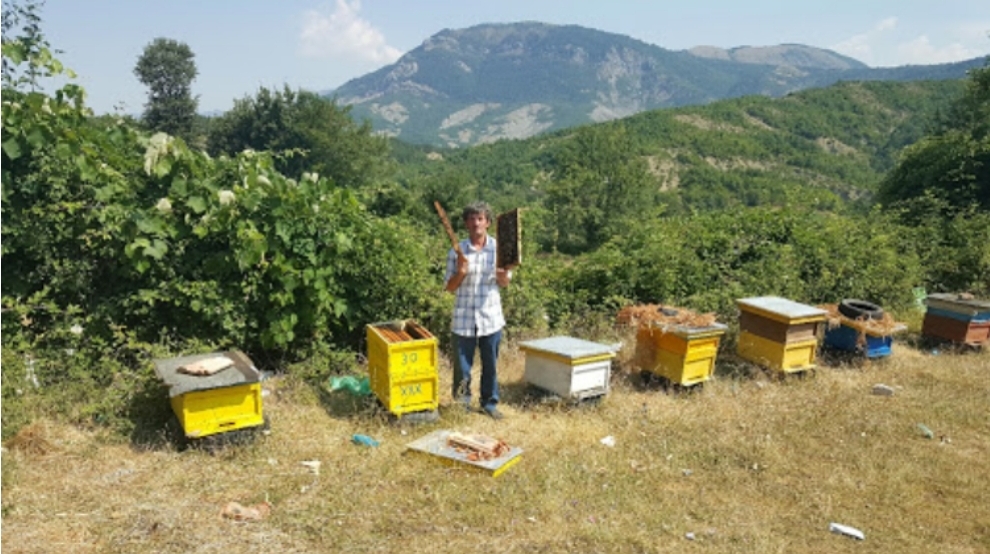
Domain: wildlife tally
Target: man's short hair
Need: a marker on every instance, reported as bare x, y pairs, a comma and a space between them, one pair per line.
477, 208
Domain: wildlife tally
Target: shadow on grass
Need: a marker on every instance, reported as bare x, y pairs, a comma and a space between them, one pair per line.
934, 346
530, 398
342, 404
155, 426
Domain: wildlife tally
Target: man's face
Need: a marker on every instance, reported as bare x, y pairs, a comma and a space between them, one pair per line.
477, 224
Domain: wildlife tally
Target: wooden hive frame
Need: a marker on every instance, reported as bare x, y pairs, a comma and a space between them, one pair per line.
509, 239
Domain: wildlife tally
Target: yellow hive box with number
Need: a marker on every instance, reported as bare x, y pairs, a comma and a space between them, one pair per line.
403, 366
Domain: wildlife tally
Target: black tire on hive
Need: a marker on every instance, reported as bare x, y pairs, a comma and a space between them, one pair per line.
860, 309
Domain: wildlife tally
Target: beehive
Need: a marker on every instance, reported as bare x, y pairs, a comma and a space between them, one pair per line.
778, 333
568, 367
403, 366
844, 337
957, 318
206, 405
683, 355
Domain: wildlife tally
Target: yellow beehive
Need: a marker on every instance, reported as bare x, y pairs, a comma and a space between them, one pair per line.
206, 405
779, 334
682, 355
208, 412
403, 366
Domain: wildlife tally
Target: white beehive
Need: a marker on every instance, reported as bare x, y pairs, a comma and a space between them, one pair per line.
568, 367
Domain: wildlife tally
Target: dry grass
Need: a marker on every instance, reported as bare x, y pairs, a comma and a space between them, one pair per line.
748, 464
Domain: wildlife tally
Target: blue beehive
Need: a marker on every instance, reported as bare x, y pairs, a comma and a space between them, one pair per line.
843, 337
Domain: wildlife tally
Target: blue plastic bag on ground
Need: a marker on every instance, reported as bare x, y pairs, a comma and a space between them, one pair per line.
364, 440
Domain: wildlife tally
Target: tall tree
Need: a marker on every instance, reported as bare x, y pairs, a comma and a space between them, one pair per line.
948, 171
307, 132
167, 68
601, 188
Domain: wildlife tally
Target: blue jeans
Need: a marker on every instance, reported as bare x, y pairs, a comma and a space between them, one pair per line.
464, 348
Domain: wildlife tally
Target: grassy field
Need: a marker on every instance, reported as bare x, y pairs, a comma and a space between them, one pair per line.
750, 463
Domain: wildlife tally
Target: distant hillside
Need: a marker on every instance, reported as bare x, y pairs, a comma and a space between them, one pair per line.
509, 81
795, 55
826, 148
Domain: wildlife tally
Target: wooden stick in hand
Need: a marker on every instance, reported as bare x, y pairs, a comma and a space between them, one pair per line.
447, 227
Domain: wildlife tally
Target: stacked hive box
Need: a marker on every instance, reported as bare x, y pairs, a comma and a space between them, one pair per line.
957, 318
571, 368
779, 334
211, 405
402, 366
681, 354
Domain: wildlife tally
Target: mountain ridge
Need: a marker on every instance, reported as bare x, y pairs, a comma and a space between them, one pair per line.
489, 82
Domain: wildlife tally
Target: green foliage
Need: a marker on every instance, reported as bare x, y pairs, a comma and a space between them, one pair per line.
306, 132
599, 189
825, 149
145, 233
54, 365
954, 250
707, 262
167, 68
22, 39
950, 169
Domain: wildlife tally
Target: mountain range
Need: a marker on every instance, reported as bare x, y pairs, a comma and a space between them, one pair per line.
464, 87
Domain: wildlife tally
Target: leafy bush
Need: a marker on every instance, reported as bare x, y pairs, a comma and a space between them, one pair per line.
707, 262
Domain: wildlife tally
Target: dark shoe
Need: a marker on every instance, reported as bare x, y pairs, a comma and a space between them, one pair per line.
493, 412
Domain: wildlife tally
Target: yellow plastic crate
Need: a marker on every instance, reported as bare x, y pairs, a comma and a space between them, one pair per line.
786, 357
684, 356
403, 366
208, 412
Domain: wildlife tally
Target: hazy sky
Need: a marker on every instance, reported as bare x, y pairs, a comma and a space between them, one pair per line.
241, 45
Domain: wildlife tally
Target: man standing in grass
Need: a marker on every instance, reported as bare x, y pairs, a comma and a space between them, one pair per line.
477, 322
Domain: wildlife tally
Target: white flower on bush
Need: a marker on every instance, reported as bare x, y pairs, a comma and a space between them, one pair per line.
76, 329
158, 146
314, 176
263, 180
226, 196
164, 206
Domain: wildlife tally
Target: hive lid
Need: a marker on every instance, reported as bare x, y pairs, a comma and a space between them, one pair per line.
241, 372
568, 347
437, 444
957, 302
781, 306
689, 332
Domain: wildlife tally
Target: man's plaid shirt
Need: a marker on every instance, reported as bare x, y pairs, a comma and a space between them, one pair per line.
478, 305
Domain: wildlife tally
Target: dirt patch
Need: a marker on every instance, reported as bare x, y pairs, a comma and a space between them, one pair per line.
835, 146
756, 122
706, 124
665, 170
735, 163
